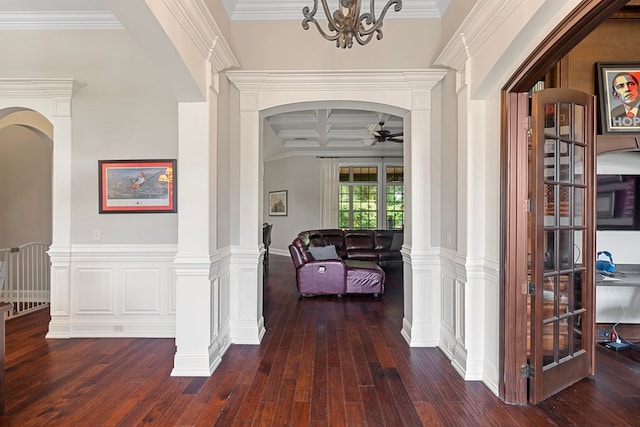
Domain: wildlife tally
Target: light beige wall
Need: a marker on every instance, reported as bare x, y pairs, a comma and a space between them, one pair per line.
222, 166
448, 232
456, 12
284, 45
125, 111
25, 187
221, 17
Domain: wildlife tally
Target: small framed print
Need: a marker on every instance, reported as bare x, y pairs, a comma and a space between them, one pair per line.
137, 186
619, 98
278, 203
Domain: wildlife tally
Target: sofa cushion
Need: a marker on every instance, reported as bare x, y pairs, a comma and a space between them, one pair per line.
333, 237
389, 255
382, 239
323, 252
358, 239
363, 255
396, 243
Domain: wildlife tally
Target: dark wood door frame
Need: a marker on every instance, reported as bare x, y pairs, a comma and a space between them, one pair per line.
575, 27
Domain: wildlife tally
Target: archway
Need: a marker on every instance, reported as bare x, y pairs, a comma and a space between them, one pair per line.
51, 98
411, 91
25, 169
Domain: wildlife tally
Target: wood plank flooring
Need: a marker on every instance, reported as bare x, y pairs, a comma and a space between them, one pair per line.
324, 361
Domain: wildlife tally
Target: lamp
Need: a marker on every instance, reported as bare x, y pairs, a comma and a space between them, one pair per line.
347, 22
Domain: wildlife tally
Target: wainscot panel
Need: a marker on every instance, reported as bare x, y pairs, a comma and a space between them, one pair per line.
122, 290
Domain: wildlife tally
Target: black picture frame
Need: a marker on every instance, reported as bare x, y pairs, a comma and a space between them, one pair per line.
137, 186
613, 119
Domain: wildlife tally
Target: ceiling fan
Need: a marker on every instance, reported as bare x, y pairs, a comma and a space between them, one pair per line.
383, 135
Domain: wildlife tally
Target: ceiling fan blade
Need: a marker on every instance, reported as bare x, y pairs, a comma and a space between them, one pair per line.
395, 140
393, 135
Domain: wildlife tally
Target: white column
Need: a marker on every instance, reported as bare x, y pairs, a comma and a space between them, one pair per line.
423, 276
60, 250
194, 296
247, 321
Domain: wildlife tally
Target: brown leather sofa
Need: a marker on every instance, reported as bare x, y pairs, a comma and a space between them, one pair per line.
340, 262
380, 246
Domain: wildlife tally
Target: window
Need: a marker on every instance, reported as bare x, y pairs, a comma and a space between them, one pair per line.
361, 203
395, 197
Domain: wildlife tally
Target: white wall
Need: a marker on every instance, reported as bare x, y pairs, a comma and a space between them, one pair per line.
301, 177
25, 187
121, 284
449, 158
622, 244
124, 112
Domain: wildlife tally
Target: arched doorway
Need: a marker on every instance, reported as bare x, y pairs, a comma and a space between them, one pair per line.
51, 98
25, 169
300, 140
409, 91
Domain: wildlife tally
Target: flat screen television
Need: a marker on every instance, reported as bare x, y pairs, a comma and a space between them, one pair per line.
617, 206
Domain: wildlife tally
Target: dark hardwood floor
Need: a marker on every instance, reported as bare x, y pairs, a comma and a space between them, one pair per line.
324, 361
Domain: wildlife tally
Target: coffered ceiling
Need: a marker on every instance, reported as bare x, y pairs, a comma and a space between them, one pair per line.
330, 131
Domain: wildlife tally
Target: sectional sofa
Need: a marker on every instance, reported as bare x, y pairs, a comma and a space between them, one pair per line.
334, 261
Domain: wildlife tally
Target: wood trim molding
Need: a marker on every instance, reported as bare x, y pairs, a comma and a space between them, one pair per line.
575, 27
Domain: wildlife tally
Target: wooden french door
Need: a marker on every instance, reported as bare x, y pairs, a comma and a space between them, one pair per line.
561, 241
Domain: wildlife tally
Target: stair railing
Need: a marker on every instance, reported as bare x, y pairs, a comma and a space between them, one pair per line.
25, 277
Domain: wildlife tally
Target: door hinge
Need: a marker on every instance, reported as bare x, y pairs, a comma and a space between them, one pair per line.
530, 288
529, 128
527, 371
529, 205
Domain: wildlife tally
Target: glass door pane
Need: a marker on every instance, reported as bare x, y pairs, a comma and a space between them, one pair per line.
560, 237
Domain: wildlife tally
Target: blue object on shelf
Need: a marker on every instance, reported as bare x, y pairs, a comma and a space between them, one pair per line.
605, 265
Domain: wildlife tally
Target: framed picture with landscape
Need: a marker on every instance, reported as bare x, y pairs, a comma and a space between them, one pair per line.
278, 203
137, 186
617, 84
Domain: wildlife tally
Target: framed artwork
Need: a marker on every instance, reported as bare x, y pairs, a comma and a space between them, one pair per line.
618, 97
137, 186
278, 203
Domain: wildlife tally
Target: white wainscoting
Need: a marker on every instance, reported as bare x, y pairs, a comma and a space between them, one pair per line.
452, 334
122, 291
470, 290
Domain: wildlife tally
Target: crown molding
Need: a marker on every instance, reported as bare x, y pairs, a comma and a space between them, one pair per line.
196, 20
39, 88
372, 80
54, 20
475, 30
284, 10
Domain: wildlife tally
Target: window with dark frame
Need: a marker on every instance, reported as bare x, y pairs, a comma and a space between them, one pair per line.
371, 200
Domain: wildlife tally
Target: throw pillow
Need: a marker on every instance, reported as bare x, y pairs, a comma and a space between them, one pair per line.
396, 243
323, 252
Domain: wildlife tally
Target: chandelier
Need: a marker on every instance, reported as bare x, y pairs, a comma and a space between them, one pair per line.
346, 23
